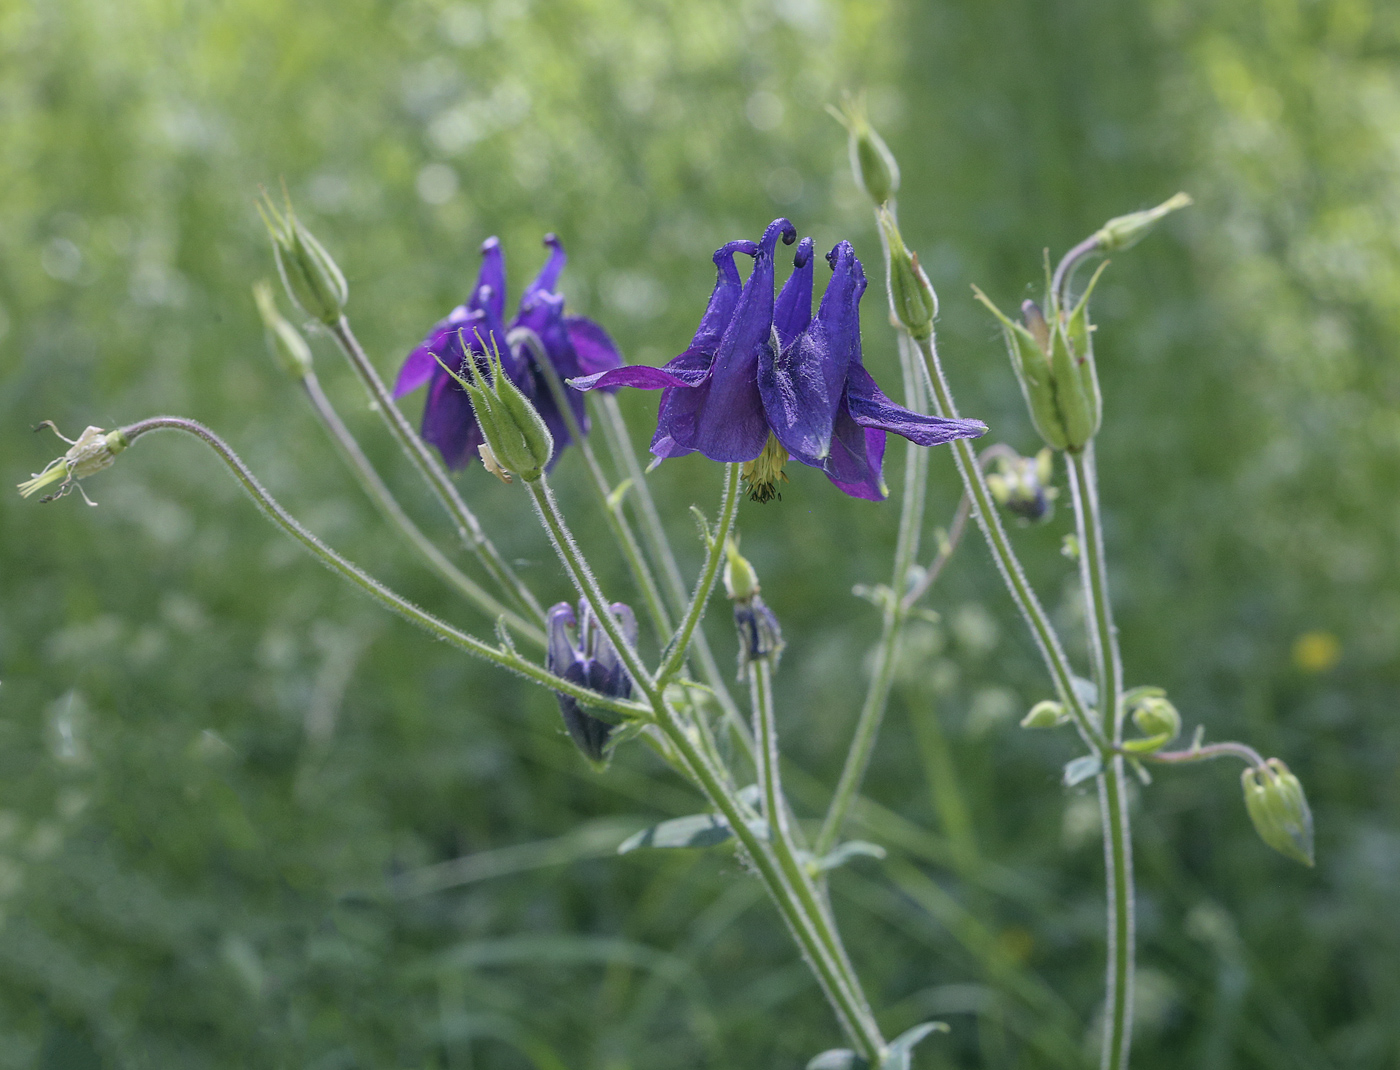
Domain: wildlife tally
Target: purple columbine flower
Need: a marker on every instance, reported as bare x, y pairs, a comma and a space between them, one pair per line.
590, 661
573, 345
765, 380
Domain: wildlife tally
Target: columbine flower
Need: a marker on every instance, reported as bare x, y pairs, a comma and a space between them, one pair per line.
573, 345
762, 381
590, 661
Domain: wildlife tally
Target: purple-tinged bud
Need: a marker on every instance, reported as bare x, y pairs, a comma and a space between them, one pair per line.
313, 280
580, 651
1021, 485
760, 636
284, 342
1279, 809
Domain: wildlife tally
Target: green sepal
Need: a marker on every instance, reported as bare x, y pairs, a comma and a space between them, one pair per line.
1033, 372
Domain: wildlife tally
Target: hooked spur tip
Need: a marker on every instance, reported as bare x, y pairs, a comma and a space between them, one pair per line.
779, 226
804, 253
489, 244
842, 250
552, 240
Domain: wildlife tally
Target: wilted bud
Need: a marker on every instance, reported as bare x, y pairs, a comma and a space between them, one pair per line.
284, 341
1125, 231
872, 163
1021, 485
911, 294
94, 450
515, 432
1046, 714
313, 280
1157, 718
1279, 809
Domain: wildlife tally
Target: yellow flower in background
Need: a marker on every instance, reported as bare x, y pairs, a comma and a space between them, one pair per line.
1316, 651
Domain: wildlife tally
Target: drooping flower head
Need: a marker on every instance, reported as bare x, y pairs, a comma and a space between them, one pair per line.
765, 380
590, 660
573, 346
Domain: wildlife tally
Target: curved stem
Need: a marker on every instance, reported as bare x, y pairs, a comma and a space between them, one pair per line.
389, 506
620, 445
1204, 753
468, 527
439, 629
680, 642
984, 509
1068, 265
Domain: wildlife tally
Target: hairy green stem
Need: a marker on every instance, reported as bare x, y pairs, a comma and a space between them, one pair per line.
604, 705
464, 520
1108, 677
810, 928
620, 445
383, 498
1206, 752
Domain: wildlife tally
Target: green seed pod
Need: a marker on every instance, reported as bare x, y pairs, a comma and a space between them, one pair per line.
1279, 809
313, 280
1028, 345
515, 432
1125, 231
872, 163
284, 342
1046, 714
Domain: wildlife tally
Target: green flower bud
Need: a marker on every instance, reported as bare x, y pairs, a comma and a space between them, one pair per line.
92, 451
911, 294
872, 163
1125, 231
1279, 809
740, 580
516, 435
284, 341
1045, 714
1157, 717
313, 280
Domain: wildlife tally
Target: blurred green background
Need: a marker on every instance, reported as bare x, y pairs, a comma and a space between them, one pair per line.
214, 758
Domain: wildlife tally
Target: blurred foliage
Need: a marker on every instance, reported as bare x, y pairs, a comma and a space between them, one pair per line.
222, 776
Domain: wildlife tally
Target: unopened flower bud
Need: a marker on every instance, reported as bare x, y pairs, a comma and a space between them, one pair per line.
872, 163
911, 294
1156, 717
284, 341
580, 651
1279, 809
516, 433
1125, 231
92, 451
313, 280
1046, 714
1021, 485
740, 580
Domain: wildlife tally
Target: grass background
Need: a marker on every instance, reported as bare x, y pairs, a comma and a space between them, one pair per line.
192, 874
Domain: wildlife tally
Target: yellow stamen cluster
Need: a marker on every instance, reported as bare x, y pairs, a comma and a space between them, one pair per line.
765, 472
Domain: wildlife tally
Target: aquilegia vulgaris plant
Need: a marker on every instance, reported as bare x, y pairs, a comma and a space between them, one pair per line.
764, 380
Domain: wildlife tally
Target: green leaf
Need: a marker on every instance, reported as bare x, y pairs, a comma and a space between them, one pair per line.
838, 1059
847, 851
697, 830
1082, 768
902, 1047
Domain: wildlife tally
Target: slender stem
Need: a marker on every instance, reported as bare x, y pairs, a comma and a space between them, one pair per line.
680, 642
620, 444
468, 527
604, 705
1068, 265
1007, 563
1230, 749
949, 543
810, 927
1108, 675
389, 506
612, 512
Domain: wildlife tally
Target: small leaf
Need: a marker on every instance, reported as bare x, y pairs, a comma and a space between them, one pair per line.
838, 1059
503, 635
847, 851
902, 1046
697, 830
1082, 768
702, 524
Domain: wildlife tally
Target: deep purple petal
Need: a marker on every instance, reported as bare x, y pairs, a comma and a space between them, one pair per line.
449, 422
548, 277
869, 407
793, 312
560, 652
416, 371
724, 297
645, 377
490, 292
595, 349
856, 458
